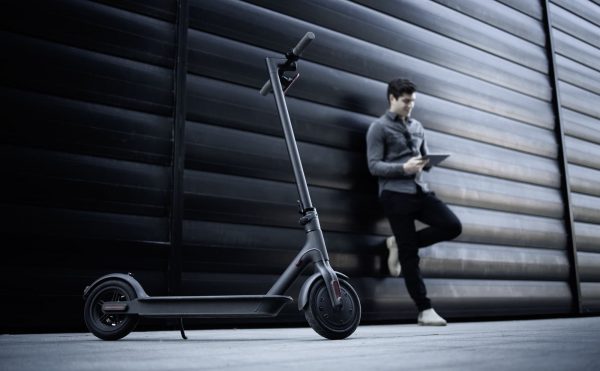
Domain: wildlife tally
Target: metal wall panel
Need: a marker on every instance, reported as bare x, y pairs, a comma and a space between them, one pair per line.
161, 9
503, 17
576, 29
578, 50
580, 126
82, 74
256, 26
590, 292
469, 298
99, 27
88, 89
384, 30
584, 9
465, 29
531, 8
587, 236
575, 25
86, 148
584, 180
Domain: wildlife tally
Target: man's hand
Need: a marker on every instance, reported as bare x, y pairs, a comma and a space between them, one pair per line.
414, 165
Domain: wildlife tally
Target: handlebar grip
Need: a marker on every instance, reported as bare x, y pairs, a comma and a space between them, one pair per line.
298, 49
303, 43
266, 88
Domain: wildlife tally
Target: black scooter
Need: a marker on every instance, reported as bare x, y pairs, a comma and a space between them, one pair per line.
114, 303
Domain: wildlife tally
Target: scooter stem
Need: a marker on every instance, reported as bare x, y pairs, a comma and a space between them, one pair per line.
314, 250
290, 140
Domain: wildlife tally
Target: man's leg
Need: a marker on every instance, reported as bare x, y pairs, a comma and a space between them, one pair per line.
392, 261
443, 223
403, 227
401, 210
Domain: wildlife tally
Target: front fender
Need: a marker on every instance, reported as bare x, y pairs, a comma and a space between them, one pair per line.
139, 291
303, 295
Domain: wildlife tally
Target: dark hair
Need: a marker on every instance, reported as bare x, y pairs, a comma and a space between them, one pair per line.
397, 87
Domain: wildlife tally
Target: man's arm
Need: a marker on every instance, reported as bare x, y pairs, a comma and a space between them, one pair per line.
375, 155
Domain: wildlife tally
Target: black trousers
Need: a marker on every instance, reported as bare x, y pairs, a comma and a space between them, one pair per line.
402, 209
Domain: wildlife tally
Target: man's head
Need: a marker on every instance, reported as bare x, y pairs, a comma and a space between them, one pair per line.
401, 96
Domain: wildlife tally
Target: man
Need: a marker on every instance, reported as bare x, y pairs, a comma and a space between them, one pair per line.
395, 145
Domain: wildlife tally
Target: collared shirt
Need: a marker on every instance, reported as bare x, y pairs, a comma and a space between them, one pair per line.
390, 144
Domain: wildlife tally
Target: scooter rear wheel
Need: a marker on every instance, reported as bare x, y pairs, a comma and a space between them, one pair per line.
104, 325
329, 322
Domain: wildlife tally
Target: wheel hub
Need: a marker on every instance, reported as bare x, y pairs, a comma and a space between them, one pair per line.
338, 318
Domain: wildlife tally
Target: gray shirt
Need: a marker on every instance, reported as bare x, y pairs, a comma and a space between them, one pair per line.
390, 143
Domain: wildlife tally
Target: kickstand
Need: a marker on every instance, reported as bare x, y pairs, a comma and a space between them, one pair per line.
182, 329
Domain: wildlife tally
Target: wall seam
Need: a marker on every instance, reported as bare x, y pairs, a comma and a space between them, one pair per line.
178, 164
563, 165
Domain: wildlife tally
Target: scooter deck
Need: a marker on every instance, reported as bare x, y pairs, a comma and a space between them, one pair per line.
234, 306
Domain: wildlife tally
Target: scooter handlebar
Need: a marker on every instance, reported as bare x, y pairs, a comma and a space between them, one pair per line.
296, 52
303, 43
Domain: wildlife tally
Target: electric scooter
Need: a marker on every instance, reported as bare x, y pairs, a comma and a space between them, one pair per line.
115, 302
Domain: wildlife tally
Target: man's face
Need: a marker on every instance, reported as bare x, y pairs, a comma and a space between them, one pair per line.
403, 105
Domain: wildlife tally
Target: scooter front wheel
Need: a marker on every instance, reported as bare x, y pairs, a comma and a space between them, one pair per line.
108, 326
328, 321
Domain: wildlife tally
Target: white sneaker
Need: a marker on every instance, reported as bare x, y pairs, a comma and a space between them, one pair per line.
429, 317
393, 263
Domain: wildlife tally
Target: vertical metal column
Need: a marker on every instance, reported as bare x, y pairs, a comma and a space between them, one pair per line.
178, 163
563, 164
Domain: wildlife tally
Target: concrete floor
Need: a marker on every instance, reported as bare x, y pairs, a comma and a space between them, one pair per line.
549, 344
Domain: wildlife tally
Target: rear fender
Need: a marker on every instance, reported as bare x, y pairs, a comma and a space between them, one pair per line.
135, 285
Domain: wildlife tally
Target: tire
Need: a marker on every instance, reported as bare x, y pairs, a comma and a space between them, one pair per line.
109, 326
331, 323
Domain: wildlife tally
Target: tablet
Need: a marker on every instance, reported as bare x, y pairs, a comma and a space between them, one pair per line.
435, 158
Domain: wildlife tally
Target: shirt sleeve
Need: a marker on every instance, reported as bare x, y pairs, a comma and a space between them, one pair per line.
376, 152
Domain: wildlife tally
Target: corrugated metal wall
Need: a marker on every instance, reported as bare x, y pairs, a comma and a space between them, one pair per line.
576, 29
88, 90
86, 151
